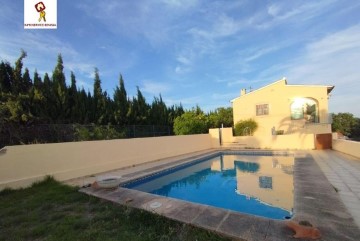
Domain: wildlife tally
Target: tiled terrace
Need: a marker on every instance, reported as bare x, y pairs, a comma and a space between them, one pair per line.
343, 172
316, 200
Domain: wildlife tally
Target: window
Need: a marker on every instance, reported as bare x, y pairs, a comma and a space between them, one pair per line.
265, 182
262, 109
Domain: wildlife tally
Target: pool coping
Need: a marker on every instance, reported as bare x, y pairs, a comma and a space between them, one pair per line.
315, 200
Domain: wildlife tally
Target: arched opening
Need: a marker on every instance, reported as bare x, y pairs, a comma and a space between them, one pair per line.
305, 109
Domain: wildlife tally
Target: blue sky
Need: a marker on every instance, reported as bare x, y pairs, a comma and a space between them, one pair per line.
196, 51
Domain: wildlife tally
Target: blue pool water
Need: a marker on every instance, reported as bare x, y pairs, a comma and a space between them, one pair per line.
258, 185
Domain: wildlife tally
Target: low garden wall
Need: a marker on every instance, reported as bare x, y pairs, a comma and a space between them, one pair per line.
22, 165
347, 147
296, 141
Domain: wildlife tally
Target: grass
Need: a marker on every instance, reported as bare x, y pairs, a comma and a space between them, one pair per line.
49, 210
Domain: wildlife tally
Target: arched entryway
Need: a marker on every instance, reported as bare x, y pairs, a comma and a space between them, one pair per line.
305, 108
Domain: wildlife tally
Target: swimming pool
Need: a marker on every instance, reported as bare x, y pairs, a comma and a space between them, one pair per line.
253, 184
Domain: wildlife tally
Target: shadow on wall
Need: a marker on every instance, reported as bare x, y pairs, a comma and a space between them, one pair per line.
296, 127
243, 142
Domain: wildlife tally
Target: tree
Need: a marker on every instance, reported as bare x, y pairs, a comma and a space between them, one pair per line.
221, 116
36, 96
158, 112
355, 132
26, 82
191, 122
121, 104
60, 91
48, 106
245, 127
343, 123
98, 100
6, 77
139, 110
73, 100
37, 80
17, 74
173, 112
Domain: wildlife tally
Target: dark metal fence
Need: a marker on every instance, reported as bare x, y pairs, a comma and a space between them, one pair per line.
55, 133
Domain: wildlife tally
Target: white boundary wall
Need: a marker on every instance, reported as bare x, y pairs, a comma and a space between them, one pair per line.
347, 147
21, 165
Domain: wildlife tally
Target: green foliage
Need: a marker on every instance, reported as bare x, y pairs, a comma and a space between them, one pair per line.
121, 104
191, 122
17, 81
139, 110
245, 127
25, 103
6, 77
346, 124
221, 116
196, 121
89, 133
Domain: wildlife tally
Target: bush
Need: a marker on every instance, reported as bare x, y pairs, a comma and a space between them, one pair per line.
279, 132
245, 127
191, 122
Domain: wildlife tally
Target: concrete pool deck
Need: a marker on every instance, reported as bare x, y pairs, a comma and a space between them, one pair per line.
316, 200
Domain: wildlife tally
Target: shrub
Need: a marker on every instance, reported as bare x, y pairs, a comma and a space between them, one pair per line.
191, 122
279, 132
245, 127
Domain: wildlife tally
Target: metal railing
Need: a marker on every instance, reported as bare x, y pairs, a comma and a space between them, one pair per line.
55, 133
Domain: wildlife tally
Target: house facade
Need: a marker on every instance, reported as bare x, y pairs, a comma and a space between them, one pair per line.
281, 109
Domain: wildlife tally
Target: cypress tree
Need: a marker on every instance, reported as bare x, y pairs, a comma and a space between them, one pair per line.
17, 74
60, 91
99, 100
73, 100
26, 82
121, 103
37, 97
159, 112
139, 112
6, 77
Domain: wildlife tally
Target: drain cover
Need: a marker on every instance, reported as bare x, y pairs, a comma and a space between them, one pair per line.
155, 205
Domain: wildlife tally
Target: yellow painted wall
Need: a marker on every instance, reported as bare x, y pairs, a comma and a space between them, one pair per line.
279, 168
22, 165
295, 141
346, 146
215, 137
279, 96
282, 184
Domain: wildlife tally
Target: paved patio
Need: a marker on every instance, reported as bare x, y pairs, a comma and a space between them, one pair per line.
343, 172
316, 200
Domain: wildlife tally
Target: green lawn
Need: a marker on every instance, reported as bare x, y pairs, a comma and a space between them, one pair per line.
50, 210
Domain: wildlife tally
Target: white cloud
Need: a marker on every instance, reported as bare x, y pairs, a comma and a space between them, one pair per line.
332, 60
262, 51
182, 4
184, 60
154, 88
181, 69
221, 26
289, 12
186, 102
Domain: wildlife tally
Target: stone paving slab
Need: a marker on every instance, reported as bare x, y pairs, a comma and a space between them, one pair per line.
343, 172
315, 201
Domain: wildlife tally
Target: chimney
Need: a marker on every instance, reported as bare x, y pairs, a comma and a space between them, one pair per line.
243, 92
